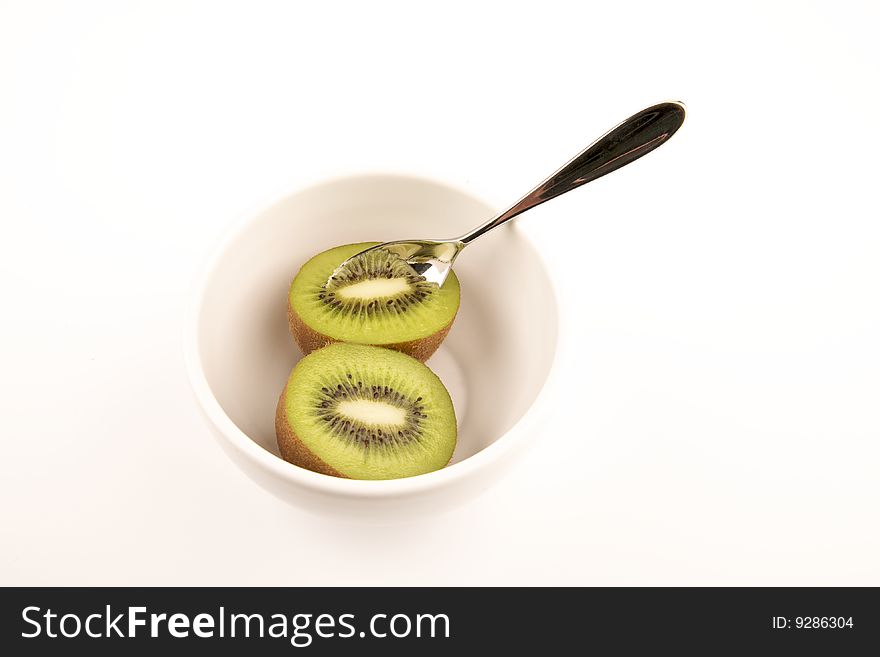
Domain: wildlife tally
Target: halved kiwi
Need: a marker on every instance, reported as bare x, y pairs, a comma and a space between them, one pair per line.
379, 300
364, 412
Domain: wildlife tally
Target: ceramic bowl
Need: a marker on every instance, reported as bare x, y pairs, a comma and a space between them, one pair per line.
495, 362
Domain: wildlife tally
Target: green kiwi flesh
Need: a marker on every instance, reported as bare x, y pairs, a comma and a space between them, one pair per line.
378, 300
365, 412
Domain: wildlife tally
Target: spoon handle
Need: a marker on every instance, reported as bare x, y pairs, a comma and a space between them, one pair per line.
639, 134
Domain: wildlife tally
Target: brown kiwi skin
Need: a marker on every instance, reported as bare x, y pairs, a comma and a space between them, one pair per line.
293, 449
310, 340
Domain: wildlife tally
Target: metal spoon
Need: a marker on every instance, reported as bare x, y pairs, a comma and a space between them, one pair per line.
639, 134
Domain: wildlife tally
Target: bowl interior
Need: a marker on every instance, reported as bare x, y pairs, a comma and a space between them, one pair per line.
494, 361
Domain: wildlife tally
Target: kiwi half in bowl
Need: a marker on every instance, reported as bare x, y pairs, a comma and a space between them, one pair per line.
364, 412
379, 300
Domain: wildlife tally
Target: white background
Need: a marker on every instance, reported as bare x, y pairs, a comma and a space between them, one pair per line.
719, 298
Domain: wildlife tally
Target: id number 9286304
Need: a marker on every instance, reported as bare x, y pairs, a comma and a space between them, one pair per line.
813, 622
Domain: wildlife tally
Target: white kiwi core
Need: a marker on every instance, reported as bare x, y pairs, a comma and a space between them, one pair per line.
374, 288
371, 412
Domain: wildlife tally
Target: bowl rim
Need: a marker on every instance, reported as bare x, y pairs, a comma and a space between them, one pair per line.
336, 486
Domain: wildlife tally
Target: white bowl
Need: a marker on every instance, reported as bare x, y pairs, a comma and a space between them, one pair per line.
495, 361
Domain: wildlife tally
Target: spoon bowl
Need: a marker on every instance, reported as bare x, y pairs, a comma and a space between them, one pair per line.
431, 259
